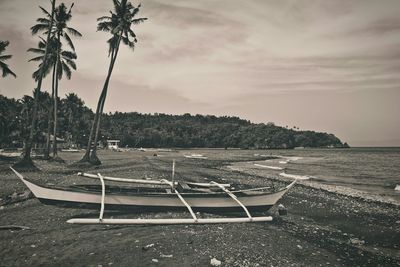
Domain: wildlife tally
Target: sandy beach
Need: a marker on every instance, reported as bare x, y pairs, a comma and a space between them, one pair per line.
321, 228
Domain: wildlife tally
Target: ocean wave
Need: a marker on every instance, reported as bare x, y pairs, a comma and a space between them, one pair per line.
294, 176
268, 167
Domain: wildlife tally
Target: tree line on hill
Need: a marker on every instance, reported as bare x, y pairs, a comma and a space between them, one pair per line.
149, 130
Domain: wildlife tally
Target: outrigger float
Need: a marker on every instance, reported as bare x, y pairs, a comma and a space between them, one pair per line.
161, 195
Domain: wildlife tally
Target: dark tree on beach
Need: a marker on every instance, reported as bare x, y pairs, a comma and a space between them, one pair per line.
61, 61
26, 161
119, 24
3, 66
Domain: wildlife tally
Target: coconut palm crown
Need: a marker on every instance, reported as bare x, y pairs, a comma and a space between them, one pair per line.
65, 61
119, 24
61, 17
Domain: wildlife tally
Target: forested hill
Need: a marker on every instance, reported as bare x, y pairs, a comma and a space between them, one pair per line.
152, 130
161, 130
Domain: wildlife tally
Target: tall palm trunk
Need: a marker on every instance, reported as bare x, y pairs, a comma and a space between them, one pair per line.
26, 160
55, 104
48, 141
55, 100
91, 155
86, 156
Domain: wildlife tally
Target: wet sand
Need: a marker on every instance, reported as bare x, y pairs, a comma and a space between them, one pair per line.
322, 228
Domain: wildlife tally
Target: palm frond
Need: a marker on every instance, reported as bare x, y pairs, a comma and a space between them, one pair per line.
38, 58
36, 50
68, 55
67, 70
73, 32
138, 21
70, 63
45, 12
104, 26
6, 70
39, 27
5, 57
136, 10
43, 21
107, 18
112, 44
128, 42
69, 41
59, 70
132, 34
3, 45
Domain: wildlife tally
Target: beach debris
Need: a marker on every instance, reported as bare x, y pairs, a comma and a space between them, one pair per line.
356, 241
215, 262
282, 210
283, 162
14, 227
166, 256
397, 188
147, 247
154, 260
300, 247
15, 197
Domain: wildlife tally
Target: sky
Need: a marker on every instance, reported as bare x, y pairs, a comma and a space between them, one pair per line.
330, 66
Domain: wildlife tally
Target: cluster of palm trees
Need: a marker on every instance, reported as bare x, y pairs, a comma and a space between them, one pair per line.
54, 57
59, 61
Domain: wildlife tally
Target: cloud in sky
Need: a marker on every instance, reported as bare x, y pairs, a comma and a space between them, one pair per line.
323, 65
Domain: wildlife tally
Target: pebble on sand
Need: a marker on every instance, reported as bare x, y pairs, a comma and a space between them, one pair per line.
215, 262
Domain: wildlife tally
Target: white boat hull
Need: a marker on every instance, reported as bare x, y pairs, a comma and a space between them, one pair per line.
219, 201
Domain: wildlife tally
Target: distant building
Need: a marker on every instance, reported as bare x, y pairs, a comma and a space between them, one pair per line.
113, 144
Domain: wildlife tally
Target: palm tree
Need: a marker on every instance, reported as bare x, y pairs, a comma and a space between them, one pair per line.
119, 25
73, 109
26, 161
3, 66
62, 62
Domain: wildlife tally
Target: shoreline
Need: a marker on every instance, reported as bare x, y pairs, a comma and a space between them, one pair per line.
335, 189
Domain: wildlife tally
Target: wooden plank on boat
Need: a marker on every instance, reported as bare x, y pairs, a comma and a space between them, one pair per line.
184, 186
169, 221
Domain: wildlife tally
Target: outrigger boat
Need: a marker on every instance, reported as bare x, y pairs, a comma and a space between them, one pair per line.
161, 194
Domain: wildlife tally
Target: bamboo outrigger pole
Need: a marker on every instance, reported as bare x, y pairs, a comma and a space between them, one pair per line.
234, 198
103, 195
141, 181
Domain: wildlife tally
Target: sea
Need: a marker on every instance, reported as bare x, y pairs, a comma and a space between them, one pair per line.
375, 171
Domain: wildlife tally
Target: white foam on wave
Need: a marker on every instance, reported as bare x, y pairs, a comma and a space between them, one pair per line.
283, 162
293, 158
294, 176
268, 167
